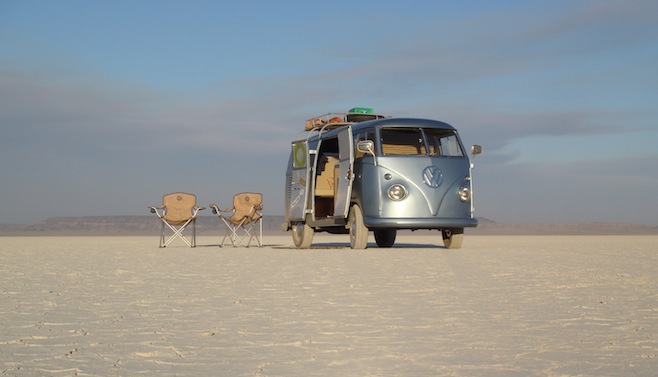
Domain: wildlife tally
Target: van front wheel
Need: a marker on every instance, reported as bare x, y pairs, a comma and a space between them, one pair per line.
302, 235
385, 237
453, 237
358, 230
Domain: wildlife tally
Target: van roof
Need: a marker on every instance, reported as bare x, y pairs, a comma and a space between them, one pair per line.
403, 122
385, 122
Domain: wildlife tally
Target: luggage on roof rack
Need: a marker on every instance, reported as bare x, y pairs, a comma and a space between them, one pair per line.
354, 115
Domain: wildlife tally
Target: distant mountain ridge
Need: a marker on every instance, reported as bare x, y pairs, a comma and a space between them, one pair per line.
487, 226
119, 226
209, 225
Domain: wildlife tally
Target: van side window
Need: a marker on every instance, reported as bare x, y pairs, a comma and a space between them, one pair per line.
402, 141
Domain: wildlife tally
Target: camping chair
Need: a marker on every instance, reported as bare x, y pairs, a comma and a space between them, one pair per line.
245, 216
178, 210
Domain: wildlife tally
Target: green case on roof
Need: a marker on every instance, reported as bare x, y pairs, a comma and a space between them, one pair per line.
361, 110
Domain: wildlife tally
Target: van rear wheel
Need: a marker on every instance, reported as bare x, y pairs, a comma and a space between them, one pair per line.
358, 230
453, 237
302, 235
385, 237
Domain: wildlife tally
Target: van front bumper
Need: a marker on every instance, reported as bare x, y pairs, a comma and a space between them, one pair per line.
419, 223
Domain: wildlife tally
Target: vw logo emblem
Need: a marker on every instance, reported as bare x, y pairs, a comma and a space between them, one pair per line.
432, 176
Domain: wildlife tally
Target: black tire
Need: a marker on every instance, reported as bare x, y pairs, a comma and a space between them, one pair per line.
358, 230
453, 237
385, 237
302, 235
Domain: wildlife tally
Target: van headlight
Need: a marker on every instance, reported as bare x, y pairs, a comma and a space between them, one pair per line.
464, 194
397, 192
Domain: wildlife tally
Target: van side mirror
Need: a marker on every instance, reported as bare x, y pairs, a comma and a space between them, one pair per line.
366, 146
476, 149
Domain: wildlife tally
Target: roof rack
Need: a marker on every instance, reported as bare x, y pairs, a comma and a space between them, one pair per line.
332, 120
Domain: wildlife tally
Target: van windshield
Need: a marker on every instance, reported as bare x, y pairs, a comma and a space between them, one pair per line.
420, 142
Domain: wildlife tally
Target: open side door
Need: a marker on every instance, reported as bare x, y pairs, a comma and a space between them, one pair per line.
344, 176
300, 183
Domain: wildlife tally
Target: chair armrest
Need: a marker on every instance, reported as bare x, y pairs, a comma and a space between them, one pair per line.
216, 210
196, 210
254, 210
155, 209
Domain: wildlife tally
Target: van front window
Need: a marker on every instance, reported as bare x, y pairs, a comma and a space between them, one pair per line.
443, 143
402, 141
420, 142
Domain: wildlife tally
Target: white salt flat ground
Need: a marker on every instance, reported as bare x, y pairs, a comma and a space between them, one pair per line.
501, 306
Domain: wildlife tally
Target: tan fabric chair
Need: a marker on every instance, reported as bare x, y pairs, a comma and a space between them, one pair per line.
178, 210
245, 215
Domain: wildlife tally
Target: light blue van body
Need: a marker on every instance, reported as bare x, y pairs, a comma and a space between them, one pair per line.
379, 175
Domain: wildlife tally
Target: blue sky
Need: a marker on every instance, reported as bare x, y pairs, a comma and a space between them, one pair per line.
106, 106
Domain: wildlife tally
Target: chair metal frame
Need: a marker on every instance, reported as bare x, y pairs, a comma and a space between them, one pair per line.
177, 224
240, 226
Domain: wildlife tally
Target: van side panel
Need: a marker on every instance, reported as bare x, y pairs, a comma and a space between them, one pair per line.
366, 188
